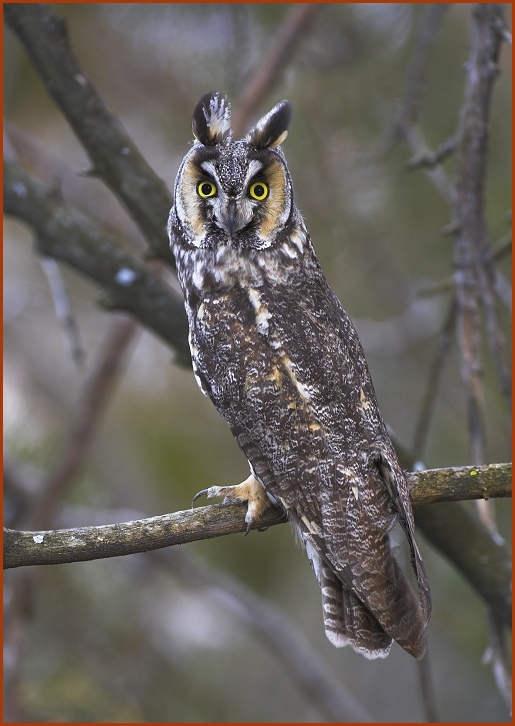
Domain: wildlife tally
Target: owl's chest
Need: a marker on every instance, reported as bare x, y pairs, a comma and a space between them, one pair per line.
224, 335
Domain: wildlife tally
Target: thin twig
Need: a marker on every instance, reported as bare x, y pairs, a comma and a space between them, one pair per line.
472, 250
496, 656
94, 398
430, 159
64, 234
404, 127
64, 311
424, 42
298, 21
435, 374
427, 688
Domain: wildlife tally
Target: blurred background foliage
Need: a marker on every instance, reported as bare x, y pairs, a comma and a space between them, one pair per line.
130, 640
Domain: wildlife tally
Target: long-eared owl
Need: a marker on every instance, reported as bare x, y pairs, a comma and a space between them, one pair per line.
280, 359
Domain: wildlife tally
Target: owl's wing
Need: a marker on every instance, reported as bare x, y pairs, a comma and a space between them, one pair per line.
379, 490
395, 482
299, 400
367, 599
344, 486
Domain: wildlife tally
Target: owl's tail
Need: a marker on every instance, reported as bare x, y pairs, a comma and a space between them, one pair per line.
349, 621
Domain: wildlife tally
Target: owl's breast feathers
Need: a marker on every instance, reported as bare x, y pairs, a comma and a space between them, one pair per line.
284, 366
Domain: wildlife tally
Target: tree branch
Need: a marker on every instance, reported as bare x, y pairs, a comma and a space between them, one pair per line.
473, 255
483, 560
298, 21
275, 629
92, 543
64, 234
83, 424
114, 156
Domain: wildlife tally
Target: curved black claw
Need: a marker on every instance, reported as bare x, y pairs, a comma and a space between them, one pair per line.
201, 493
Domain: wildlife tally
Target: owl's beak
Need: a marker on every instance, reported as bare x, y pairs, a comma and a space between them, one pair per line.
230, 218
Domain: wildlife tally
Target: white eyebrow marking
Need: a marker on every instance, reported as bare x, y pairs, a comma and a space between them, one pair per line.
254, 167
209, 167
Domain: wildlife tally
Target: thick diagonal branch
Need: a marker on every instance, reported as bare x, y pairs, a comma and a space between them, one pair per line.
114, 156
64, 234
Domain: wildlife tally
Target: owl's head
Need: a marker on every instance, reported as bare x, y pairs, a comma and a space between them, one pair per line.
235, 193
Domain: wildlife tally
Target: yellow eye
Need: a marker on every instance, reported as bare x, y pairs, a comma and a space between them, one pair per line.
258, 190
206, 189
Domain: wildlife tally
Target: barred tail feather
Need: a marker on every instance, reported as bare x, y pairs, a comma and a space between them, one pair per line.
346, 619
348, 622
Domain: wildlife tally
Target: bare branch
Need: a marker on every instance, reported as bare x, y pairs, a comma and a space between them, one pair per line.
435, 375
64, 310
299, 19
404, 126
483, 559
495, 655
327, 691
94, 397
459, 484
475, 275
91, 543
64, 234
114, 156
430, 159
423, 45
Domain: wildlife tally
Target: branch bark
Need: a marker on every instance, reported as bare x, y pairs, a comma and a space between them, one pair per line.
113, 154
473, 258
64, 234
91, 543
483, 560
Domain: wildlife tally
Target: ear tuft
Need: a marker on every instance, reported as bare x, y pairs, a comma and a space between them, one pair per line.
272, 129
211, 122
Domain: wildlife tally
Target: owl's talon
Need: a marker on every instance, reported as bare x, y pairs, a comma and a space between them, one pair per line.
199, 494
210, 493
249, 491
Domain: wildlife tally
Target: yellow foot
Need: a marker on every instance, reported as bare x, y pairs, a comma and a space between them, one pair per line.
249, 491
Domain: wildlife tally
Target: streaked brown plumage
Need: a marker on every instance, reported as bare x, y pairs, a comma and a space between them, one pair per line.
276, 353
